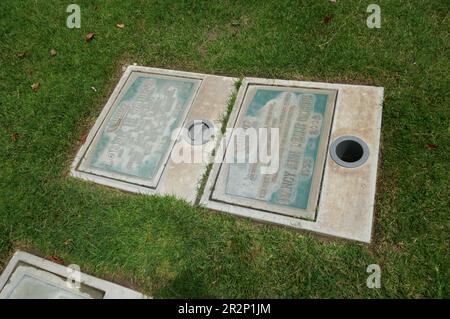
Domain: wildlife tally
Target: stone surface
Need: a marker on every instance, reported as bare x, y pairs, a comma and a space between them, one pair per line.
345, 195
29, 283
31, 277
130, 145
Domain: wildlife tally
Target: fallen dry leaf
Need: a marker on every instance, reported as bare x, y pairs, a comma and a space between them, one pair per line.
432, 146
14, 136
327, 19
120, 25
36, 86
90, 36
53, 52
56, 259
83, 138
22, 54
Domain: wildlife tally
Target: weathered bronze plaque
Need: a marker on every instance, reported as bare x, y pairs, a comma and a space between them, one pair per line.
303, 119
135, 139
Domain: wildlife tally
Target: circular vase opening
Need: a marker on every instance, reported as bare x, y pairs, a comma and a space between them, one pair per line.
349, 151
199, 132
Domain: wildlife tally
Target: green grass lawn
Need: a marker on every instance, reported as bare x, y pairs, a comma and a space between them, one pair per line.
165, 247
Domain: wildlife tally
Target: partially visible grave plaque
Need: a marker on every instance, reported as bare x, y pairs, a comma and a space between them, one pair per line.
28, 282
31, 277
303, 117
135, 139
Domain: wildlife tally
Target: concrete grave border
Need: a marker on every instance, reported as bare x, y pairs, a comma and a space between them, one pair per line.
111, 290
347, 195
178, 179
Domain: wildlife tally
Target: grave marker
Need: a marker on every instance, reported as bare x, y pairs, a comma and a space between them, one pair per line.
130, 145
328, 156
31, 277
303, 117
326, 138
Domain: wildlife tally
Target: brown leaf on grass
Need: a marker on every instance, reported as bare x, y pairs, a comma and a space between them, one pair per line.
53, 52
327, 20
56, 259
83, 138
14, 136
432, 146
90, 36
36, 86
22, 54
120, 25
